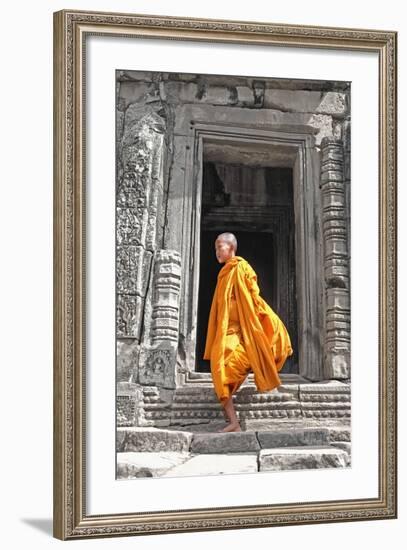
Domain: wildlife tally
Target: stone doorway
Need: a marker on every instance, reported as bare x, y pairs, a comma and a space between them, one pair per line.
256, 204
255, 158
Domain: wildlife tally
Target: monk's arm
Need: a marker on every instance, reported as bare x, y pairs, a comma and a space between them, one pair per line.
252, 285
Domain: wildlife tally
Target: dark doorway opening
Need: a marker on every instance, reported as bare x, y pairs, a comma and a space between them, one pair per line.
256, 204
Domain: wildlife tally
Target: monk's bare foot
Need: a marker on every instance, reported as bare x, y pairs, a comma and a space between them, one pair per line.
232, 428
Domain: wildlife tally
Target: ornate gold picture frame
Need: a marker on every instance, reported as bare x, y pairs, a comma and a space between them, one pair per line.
72, 519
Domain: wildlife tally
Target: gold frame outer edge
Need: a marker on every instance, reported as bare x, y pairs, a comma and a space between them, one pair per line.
69, 509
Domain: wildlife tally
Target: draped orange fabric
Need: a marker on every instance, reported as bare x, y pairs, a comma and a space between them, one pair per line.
264, 343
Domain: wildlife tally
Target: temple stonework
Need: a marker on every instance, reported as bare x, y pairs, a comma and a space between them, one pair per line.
268, 160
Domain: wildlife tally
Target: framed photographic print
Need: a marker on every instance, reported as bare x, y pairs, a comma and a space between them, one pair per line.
224, 274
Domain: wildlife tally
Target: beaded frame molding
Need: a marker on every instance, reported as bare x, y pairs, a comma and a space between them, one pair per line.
70, 519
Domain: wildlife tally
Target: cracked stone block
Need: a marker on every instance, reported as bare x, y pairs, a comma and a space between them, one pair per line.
301, 101
245, 95
127, 356
217, 95
154, 440
130, 93
334, 103
338, 433
302, 458
179, 92
128, 322
346, 446
120, 435
293, 438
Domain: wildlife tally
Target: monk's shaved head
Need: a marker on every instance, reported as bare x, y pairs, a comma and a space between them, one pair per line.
229, 238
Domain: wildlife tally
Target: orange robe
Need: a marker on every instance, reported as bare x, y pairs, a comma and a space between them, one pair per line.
244, 334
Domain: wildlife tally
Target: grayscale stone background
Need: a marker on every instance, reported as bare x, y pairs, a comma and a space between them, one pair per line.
268, 159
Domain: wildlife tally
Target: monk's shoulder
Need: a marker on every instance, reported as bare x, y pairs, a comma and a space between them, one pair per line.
246, 268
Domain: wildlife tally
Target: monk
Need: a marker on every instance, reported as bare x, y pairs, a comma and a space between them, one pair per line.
244, 334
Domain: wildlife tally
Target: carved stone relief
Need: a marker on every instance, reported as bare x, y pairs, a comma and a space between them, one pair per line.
158, 354
336, 261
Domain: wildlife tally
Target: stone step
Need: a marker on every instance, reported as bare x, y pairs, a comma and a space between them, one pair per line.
196, 402
135, 439
152, 440
254, 441
338, 429
302, 458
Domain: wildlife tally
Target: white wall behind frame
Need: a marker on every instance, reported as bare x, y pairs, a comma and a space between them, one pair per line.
26, 290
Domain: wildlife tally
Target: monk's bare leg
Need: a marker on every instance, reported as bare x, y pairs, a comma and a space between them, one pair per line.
225, 416
234, 425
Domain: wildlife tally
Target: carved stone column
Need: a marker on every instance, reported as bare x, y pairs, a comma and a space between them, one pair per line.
158, 356
336, 261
